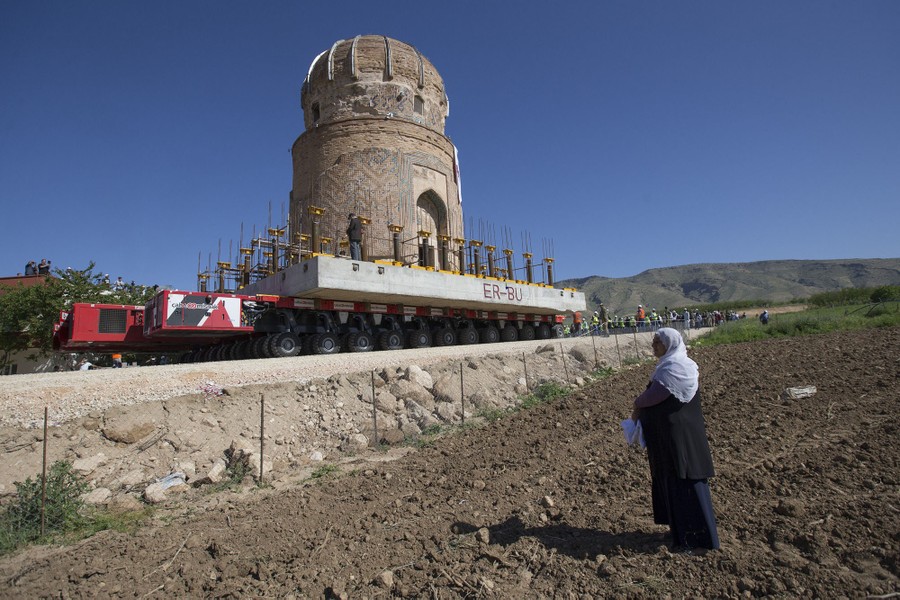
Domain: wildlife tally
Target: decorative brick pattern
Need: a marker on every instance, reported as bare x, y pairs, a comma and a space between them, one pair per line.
370, 152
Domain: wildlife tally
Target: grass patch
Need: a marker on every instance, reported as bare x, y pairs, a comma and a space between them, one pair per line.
123, 522
601, 373
490, 415
66, 517
808, 322
234, 476
324, 471
429, 435
545, 392
631, 361
435, 429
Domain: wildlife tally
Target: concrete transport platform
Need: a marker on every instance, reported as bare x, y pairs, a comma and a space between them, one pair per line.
337, 278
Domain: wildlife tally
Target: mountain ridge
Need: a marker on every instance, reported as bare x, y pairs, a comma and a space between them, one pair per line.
705, 283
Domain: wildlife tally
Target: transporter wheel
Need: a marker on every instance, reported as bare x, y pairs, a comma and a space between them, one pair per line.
557, 331
509, 333
419, 339
489, 335
324, 343
360, 342
285, 344
526, 333
256, 347
264, 346
467, 335
227, 351
445, 336
543, 331
243, 349
390, 340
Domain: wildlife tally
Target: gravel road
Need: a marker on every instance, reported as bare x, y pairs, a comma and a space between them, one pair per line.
70, 395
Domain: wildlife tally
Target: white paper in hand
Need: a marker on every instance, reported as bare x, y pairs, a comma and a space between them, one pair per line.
633, 433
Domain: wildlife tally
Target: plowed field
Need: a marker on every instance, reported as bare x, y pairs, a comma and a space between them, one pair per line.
549, 502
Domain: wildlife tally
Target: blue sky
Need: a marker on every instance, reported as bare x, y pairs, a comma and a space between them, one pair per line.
633, 135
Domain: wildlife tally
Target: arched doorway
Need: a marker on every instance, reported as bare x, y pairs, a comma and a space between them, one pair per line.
431, 214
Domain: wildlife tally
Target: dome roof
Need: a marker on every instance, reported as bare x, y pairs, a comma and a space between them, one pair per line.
373, 75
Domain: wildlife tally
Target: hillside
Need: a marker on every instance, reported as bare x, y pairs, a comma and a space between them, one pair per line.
771, 280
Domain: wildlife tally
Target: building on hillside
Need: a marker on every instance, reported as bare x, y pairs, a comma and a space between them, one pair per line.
374, 144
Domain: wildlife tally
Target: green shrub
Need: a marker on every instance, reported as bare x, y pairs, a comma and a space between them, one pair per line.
849, 296
64, 508
886, 293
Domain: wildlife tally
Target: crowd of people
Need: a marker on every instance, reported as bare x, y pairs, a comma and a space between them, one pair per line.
602, 322
34, 268
43, 268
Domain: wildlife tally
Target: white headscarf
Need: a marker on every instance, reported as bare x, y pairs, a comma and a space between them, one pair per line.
675, 371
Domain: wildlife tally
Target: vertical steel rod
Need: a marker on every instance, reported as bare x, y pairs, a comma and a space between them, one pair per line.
596, 360
526, 372
565, 364
44, 479
619, 352
262, 434
374, 410
462, 393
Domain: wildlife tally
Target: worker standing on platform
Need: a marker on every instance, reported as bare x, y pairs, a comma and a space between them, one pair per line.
354, 232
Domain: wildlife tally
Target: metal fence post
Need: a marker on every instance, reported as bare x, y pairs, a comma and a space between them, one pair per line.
44, 479
374, 409
462, 394
262, 434
526, 372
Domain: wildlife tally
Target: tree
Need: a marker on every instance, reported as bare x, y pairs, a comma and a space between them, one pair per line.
886, 293
28, 314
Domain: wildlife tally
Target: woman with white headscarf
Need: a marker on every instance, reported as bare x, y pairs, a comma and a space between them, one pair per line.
677, 447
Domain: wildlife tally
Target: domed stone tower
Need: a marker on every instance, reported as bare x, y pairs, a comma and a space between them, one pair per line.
374, 144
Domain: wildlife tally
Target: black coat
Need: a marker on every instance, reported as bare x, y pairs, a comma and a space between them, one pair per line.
675, 433
354, 230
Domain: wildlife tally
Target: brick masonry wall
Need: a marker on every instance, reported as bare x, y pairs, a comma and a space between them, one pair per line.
392, 168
